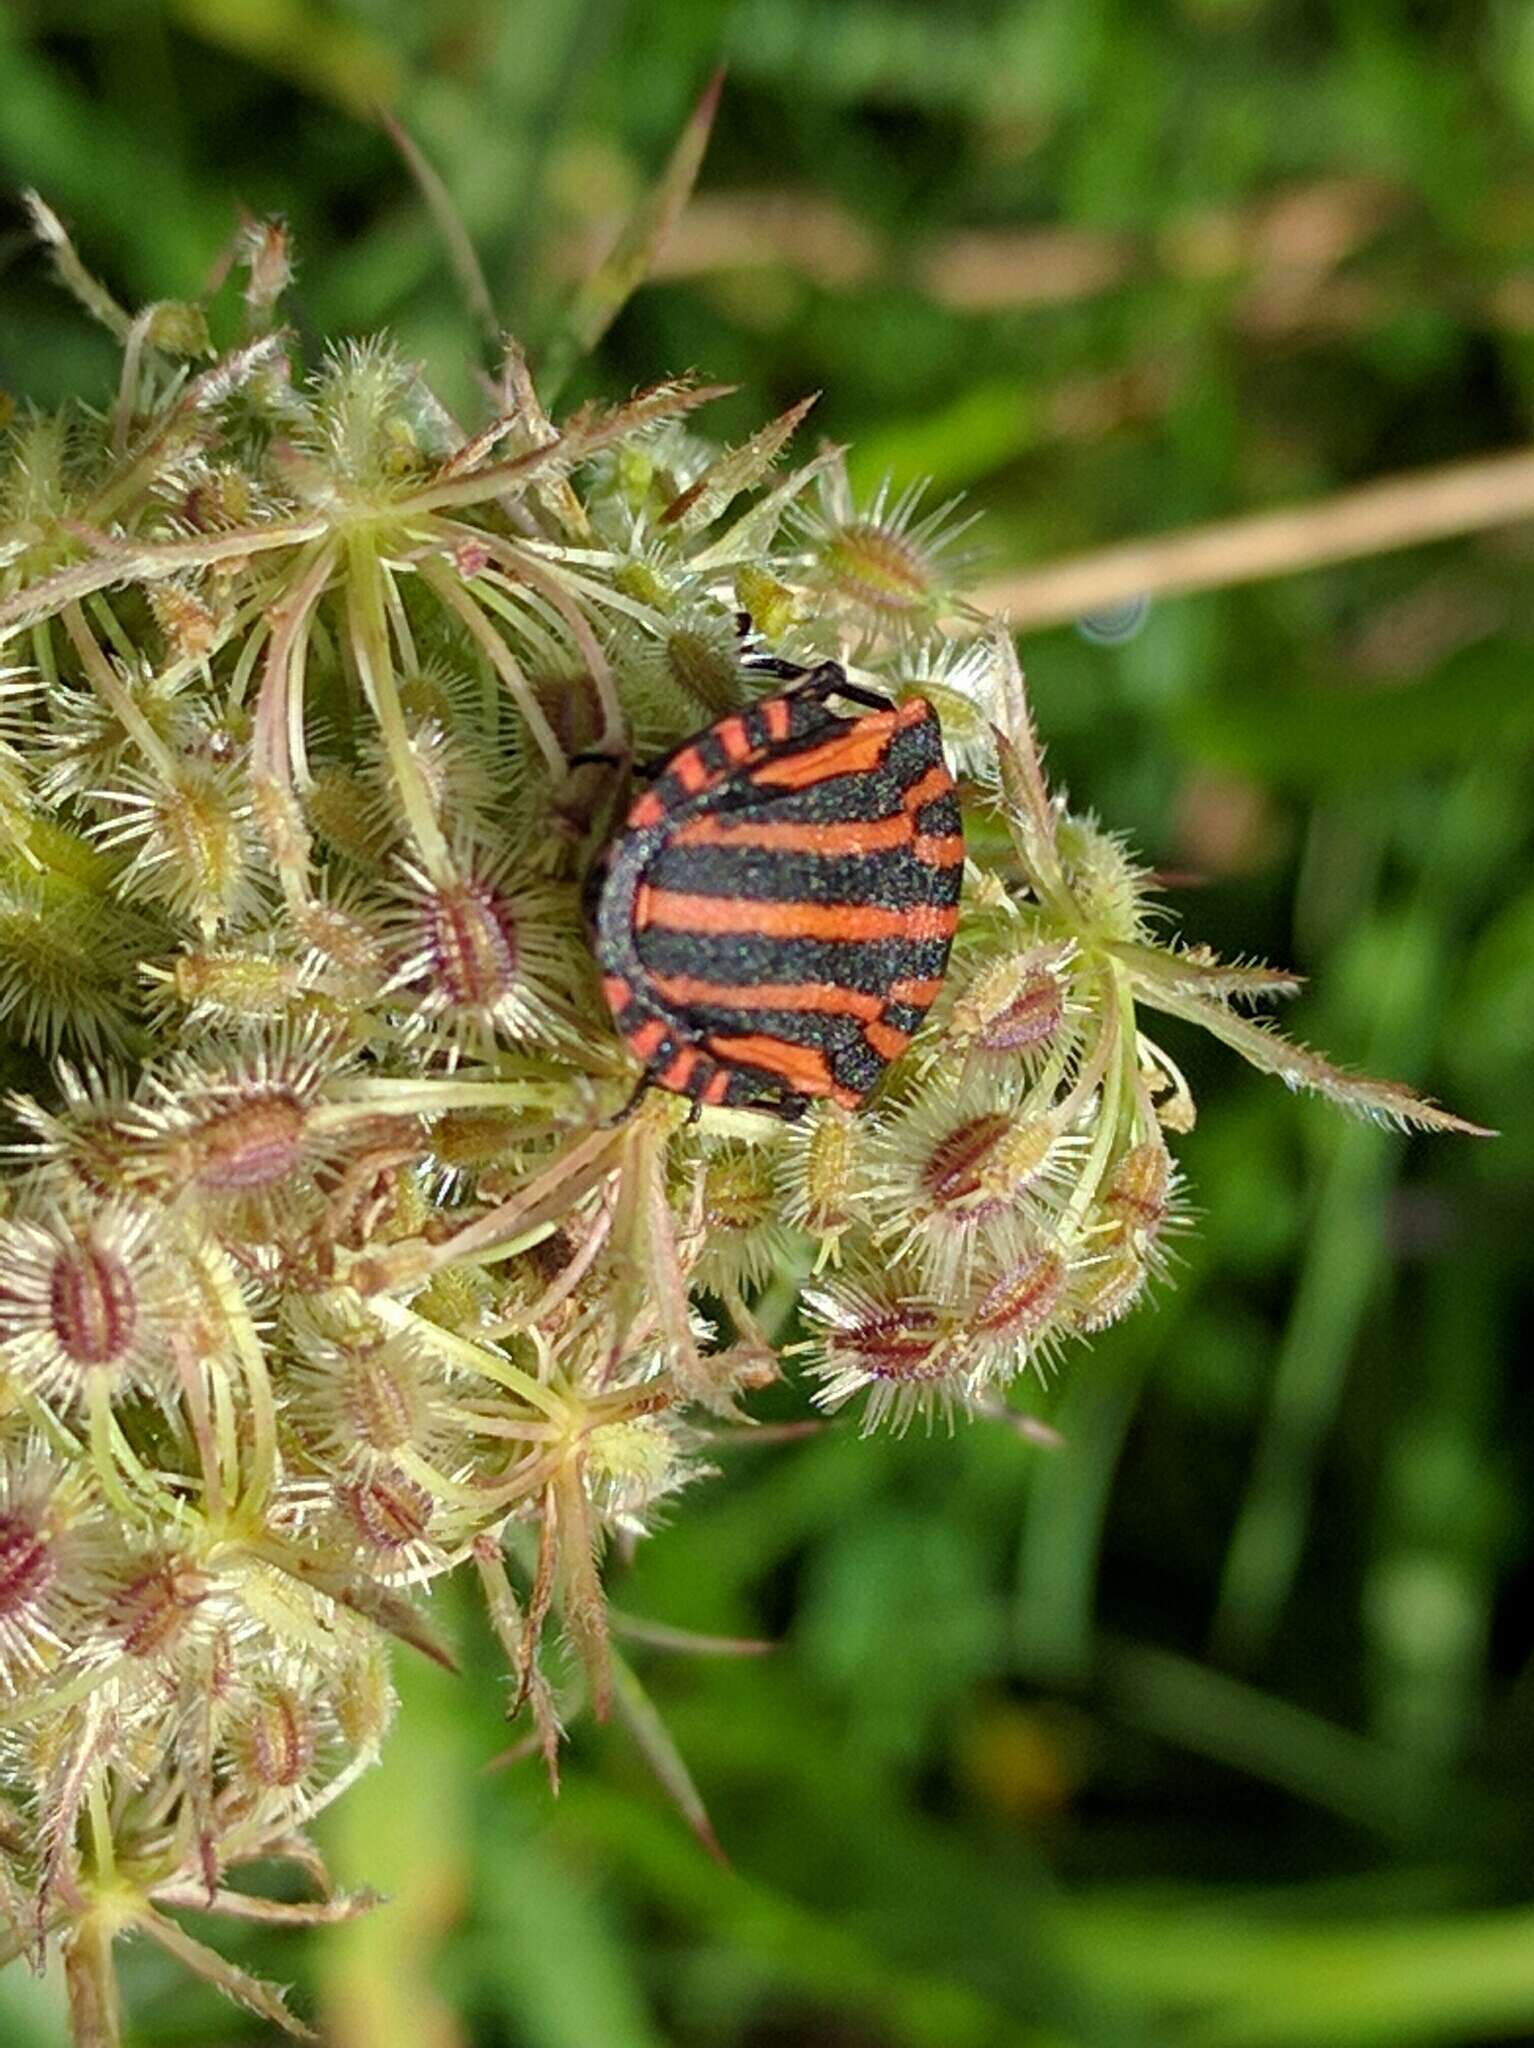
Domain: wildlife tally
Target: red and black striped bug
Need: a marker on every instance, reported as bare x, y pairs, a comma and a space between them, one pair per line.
776, 913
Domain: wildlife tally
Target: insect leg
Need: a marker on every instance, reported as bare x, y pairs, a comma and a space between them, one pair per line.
829, 679
621, 1116
601, 757
825, 679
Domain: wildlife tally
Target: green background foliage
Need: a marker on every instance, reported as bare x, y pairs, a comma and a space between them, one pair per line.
1213, 1728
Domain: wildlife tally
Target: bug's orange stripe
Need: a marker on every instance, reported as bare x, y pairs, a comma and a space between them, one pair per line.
680, 1069
851, 753
776, 714
716, 1087
675, 910
945, 850
767, 995
731, 735
936, 782
646, 1038
886, 1041
617, 991
647, 810
802, 1066
869, 836
689, 769
915, 712
922, 993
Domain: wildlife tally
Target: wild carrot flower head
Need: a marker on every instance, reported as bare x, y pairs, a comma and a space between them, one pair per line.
337, 1251
88, 1298
51, 1545
889, 565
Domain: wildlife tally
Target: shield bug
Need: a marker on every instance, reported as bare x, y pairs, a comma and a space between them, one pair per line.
776, 913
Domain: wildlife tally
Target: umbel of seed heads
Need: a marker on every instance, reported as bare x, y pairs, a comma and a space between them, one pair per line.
340, 1248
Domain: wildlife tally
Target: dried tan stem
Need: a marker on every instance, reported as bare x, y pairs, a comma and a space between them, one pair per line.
1398, 512
1284, 245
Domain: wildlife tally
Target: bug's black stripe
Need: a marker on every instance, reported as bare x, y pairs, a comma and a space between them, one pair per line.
906, 1017
939, 817
871, 965
834, 1032
629, 1019
796, 1027
711, 753
752, 1088
914, 749
705, 756
857, 1065
897, 879
834, 800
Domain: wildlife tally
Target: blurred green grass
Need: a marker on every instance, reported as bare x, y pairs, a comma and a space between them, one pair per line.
1212, 1729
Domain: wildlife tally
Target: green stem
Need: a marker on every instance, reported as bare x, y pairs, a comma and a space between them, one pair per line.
128, 383
371, 647
98, 1402
597, 594
463, 606
399, 619
493, 1498
111, 625
95, 2009
524, 612
43, 654
1119, 1037
263, 1408
226, 1433
52, 1700
244, 667
395, 1316
365, 1099
553, 589
478, 1422
43, 1418
105, 681
102, 1847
